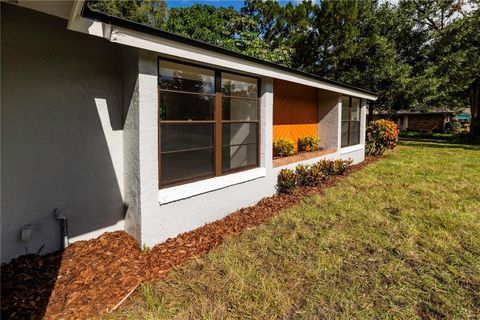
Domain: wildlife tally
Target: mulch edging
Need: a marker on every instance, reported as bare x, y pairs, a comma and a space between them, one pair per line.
92, 277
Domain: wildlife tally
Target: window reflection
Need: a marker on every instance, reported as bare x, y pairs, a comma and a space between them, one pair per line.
188, 125
182, 77
239, 86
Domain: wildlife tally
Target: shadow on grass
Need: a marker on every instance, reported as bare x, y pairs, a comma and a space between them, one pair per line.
437, 144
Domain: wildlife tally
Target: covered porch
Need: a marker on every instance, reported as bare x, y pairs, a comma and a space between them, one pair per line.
300, 111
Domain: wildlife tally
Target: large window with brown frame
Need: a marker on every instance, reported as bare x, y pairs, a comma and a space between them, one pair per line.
350, 121
208, 122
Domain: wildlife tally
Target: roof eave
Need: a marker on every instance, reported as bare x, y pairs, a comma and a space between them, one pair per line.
108, 23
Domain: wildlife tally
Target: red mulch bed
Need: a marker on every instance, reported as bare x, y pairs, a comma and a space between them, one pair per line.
92, 277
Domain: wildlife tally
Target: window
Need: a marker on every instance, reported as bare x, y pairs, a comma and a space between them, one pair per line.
239, 121
208, 122
350, 121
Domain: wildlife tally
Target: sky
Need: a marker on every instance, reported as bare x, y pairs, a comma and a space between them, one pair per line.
237, 4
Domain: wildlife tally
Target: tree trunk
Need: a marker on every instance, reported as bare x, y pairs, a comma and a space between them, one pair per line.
474, 98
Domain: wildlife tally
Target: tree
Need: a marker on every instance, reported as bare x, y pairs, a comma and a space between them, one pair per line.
283, 28
437, 14
207, 23
150, 12
226, 28
456, 58
251, 44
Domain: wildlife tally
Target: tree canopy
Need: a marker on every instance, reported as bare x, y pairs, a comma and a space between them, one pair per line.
416, 54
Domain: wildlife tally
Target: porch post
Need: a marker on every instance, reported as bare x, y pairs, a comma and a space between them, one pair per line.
363, 121
266, 123
141, 151
329, 119
339, 124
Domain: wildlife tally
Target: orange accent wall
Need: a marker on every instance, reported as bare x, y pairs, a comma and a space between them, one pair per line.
295, 111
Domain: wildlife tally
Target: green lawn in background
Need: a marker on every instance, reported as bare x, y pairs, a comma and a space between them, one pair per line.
399, 239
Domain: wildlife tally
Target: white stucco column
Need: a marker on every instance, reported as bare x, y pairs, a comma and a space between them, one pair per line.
266, 135
266, 123
328, 119
148, 139
339, 123
363, 121
141, 149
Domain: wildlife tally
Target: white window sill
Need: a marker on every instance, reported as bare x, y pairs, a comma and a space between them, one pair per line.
188, 190
352, 148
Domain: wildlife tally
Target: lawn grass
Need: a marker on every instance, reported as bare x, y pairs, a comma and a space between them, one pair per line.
399, 239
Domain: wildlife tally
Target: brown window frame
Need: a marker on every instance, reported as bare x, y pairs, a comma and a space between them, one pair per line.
350, 121
217, 121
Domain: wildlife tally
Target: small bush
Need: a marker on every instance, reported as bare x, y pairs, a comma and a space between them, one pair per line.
331, 168
326, 166
303, 175
308, 143
283, 148
286, 181
453, 127
381, 135
317, 175
308, 176
339, 166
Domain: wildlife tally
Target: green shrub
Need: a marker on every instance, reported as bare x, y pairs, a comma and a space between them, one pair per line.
316, 174
331, 168
308, 176
286, 181
308, 143
339, 166
283, 148
327, 167
381, 135
453, 127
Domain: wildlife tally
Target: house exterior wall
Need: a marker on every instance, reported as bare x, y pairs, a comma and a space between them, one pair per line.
152, 220
160, 214
295, 111
61, 132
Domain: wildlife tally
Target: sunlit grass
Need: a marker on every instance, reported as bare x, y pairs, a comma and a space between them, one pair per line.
399, 239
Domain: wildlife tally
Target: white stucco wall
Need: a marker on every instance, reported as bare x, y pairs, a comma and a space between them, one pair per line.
158, 221
61, 132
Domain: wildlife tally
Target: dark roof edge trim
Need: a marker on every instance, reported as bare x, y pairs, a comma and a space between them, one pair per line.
106, 18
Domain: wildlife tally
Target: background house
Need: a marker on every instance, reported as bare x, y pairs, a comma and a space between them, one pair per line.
431, 121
